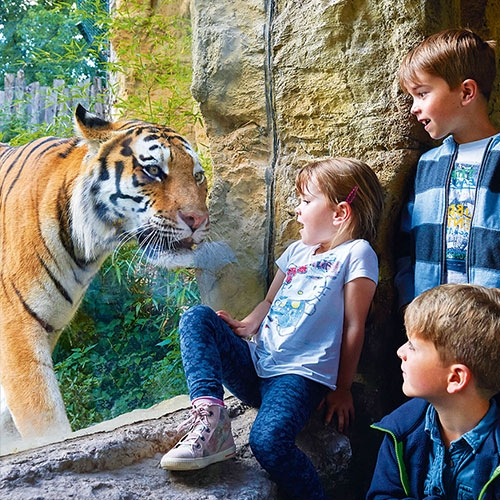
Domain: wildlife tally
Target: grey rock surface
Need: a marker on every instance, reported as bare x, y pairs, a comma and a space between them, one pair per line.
122, 463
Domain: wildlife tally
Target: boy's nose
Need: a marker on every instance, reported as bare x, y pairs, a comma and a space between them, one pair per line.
401, 351
414, 110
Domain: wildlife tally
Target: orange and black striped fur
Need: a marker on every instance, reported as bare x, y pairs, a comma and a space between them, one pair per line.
65, 205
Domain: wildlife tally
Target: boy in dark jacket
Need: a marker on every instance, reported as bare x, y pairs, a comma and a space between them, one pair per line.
445, 443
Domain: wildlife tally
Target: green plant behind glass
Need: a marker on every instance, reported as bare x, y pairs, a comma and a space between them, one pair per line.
121, 350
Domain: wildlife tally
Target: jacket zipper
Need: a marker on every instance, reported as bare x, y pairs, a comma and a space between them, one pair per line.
445, 215
398, 446
495, 474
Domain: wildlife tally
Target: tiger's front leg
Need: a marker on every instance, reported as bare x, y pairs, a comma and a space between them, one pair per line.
30, 386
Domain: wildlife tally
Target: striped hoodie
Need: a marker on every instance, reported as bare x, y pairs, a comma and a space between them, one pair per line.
421, 245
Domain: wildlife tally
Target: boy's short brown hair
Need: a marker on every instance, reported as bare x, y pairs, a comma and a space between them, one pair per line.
455, 55
463, 323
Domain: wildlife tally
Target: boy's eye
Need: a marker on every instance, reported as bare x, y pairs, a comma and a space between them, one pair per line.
410, 346
421, 93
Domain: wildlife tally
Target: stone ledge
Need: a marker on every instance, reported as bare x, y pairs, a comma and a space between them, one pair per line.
119, 460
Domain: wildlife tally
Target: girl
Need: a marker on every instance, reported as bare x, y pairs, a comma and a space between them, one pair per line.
299, 348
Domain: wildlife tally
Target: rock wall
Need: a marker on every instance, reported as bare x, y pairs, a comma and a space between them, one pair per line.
282, 82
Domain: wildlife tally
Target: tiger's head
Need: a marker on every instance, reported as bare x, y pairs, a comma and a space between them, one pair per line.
139, 180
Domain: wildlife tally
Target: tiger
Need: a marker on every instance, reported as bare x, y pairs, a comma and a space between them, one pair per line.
65, 205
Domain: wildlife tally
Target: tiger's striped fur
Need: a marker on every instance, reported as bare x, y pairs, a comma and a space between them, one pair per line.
65, 205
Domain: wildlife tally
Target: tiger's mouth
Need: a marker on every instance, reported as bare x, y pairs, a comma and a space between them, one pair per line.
154, 242
186, 244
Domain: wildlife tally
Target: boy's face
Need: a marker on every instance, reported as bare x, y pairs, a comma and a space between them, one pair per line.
436, 106
424, 374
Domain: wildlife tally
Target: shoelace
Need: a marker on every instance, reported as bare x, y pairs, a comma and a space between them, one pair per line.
197, 422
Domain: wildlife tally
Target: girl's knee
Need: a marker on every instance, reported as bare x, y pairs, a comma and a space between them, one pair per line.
197, 314
268, 447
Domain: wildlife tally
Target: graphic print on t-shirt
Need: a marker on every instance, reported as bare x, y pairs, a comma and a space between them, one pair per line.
460, 210
461, 199
301, 290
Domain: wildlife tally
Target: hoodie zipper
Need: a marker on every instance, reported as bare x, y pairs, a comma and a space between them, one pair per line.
398, 445
480, 173
445, 215
494, 476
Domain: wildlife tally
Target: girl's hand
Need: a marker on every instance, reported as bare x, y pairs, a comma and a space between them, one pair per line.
339, 402
249, 326
239, 328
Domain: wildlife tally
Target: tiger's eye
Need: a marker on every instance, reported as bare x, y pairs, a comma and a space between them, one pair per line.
199, 177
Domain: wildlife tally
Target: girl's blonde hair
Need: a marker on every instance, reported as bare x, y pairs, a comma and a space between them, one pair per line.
350, 180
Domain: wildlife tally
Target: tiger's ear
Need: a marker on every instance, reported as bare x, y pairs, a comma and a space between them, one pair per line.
91, 127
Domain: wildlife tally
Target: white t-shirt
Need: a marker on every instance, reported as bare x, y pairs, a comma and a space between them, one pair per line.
302, 333
461, 199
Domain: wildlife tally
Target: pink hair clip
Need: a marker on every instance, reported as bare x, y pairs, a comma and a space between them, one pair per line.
352, 195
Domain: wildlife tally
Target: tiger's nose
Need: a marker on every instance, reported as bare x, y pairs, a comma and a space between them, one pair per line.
193, 220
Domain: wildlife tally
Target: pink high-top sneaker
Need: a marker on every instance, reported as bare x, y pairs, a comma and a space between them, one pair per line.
209, 438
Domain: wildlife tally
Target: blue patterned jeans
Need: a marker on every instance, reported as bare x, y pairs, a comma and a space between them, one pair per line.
213, 357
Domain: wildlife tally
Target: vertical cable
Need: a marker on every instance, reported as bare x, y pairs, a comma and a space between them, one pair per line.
271, 126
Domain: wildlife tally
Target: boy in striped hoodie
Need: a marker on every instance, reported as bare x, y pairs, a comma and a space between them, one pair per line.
450, 228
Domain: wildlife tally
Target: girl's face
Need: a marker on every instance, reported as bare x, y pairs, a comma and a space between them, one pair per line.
316, 216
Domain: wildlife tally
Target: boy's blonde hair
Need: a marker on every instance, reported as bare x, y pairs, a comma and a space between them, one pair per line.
463, 323
351, 180
454, 55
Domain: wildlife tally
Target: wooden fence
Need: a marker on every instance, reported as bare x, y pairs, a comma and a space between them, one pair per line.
34, 104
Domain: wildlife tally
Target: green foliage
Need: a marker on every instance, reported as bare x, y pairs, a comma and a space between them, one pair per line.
121, 350
152, 53
16, 133
157, 51
42, 39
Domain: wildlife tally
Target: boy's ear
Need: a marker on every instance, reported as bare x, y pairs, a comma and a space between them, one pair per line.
458, 378
470, 90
